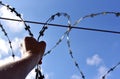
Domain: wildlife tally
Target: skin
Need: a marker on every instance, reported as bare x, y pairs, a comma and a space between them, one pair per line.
32, 54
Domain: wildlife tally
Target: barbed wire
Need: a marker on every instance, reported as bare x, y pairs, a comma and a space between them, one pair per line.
63, 36
27, 27
66, 33
110, 70
71, 54
117, 14
41, 33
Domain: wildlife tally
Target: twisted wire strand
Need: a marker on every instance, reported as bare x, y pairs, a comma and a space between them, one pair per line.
68, 42
10, 45
110, 70
71, 55
45, 27
117, 14
27, 27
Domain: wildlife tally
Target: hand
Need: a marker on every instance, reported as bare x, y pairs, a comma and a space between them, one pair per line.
31, 46
22, 67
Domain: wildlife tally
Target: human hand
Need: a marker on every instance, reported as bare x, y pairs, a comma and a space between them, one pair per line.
32, 47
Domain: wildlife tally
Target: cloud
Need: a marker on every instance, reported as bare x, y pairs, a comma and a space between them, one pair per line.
12, 25
75, 77
94, 60
4, 47
16, 43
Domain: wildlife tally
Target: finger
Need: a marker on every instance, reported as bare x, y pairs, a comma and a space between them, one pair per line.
42, 46
29, 42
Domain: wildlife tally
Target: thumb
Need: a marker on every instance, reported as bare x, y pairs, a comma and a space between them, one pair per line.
42, 46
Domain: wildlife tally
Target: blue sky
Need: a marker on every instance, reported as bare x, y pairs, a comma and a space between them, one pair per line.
95, 52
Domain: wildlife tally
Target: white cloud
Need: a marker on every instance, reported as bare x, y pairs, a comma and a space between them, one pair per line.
94, 60
75, 77
4, 47
12, 25
16, 43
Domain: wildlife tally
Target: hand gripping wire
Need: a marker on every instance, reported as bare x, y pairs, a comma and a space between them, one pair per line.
27, 28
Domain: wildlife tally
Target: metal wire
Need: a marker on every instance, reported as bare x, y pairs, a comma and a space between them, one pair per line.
110, 70
71, 54
27, 27
41, 33
63, 36
117, 14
